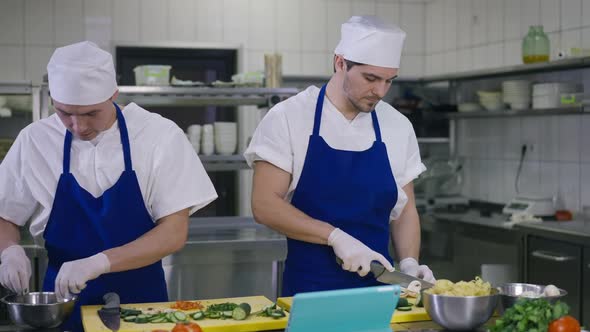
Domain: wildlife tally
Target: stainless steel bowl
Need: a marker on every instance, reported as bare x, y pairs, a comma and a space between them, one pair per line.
510, 293
38, 310
460, 313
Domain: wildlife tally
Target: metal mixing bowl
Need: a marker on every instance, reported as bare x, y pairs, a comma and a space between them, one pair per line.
510, 293
38, 310
460, 313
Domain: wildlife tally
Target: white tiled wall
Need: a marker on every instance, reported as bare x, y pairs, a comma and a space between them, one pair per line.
488, 33
559, 163
304, 31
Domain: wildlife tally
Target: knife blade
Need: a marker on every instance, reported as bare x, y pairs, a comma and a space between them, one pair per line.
395, 277
110, 313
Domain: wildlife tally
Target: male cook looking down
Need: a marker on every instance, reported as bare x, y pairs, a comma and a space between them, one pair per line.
334, 166
109, 190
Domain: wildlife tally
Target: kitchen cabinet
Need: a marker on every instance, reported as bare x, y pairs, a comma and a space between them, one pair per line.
586, 288
559, 263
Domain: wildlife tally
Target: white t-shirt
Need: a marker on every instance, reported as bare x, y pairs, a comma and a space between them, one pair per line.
282, 138
169, 172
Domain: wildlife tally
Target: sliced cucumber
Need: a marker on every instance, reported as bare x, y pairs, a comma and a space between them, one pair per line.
179, 316
141, 319
277, 313
241, 312
130, 319
198, 315
419, 302
157, 320
404, 308
402, 302
214, 314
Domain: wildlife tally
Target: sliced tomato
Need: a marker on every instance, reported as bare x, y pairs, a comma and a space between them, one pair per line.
195, 327
564, 324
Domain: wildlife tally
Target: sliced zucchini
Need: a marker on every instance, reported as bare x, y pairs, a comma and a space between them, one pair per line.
404, 308
198, 315
241, 312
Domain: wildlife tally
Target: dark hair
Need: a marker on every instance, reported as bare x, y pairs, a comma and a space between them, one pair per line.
349, 64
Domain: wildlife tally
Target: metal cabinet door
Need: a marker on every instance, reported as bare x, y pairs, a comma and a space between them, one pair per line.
558, 263
586, 287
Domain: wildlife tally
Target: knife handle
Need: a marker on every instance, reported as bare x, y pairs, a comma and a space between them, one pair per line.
111, 300
376, 268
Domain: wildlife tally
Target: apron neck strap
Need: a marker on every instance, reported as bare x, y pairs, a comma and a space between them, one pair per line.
318, 116
124, 138
124, 142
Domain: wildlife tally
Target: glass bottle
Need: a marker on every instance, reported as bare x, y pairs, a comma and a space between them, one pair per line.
528, 46
541, 45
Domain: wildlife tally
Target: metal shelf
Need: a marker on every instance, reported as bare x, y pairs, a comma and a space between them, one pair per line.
16, 88
224, 163
564, 64
521, 113
196, 96
433, 140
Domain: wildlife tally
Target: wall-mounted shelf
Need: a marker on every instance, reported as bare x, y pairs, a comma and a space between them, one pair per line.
433, 140
203, 96
521, 113
224, 163
556, 65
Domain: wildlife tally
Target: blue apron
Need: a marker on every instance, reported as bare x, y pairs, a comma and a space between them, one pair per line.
354, 191
81, 225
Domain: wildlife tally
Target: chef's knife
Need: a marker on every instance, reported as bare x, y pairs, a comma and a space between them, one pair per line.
110, 314
395, 277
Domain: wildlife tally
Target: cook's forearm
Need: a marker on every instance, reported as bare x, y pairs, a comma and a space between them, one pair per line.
273, 211
406, 234
9, 234
166, 238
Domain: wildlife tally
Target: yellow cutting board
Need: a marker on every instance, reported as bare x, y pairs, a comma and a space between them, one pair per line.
92, 322
414, 315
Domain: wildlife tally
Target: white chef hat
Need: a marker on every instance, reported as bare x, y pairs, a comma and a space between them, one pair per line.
369, 40
81, 74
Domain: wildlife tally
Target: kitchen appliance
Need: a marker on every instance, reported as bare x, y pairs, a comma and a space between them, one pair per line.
366, 309
110, 313
538, 206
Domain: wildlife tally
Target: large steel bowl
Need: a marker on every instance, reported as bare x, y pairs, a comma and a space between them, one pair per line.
460, 313
38, 310
511, 292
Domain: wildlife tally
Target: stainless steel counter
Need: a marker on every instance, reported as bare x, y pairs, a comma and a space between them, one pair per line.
226, 257
574, 231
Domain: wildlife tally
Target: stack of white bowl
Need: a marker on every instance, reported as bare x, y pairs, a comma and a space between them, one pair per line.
226, 138
517, 94
491, 100
547, 95
207, 143
194, 136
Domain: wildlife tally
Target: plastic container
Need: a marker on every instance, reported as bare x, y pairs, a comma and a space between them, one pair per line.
155, 75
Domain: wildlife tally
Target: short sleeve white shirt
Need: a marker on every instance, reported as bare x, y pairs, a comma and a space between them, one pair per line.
282, 138
170, 175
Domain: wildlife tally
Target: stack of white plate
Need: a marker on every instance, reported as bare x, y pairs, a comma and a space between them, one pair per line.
491, 100
194, 136
517, 94
547, 95
207, 142
226, 137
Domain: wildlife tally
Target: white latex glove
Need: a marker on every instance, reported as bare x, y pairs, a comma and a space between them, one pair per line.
72, 276
356, 256
410, 266
15, 269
